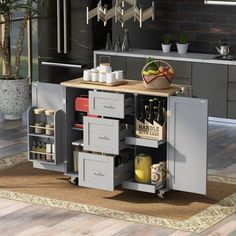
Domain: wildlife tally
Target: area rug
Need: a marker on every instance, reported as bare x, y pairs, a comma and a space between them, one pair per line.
179, 210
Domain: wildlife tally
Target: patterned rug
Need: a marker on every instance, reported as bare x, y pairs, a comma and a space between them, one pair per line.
196, 224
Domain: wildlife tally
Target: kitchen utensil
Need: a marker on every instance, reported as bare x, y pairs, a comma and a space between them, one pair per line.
223, 48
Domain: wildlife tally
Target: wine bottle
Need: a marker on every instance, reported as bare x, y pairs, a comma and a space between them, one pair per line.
151, 115
160, 119
142, 116
155, 102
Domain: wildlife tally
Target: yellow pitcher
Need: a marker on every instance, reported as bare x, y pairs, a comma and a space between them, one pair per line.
142, 168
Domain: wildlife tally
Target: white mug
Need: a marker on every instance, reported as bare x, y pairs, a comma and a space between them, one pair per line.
87, 75
119, 75
111, 78
102, 77
94, 75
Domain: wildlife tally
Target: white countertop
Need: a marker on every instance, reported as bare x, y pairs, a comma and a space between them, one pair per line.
174, 56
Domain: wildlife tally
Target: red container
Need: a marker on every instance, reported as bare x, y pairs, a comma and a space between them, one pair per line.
81, 104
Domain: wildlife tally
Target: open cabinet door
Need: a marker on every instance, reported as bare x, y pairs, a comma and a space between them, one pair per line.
187, 144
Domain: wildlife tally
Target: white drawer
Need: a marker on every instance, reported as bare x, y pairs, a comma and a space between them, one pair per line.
103, 135
97, 171
109, 104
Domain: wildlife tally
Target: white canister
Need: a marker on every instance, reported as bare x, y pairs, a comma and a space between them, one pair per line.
87, 75
102, 77
111, 78
104, 68
119, 75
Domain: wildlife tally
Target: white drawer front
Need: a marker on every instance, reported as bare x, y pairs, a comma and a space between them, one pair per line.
96, 171
101, 135
106, 104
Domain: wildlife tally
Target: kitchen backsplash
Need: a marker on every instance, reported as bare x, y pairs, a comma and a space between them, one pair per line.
205, 25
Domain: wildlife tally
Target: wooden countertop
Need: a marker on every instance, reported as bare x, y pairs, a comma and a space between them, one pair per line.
132, 86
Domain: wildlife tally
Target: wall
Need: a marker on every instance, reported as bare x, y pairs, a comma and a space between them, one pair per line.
205, 25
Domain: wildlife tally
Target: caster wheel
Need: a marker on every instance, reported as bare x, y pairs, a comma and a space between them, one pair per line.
74, 181
161, 193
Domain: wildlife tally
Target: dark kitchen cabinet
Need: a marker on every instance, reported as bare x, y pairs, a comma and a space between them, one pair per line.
209, 81
134, 68
183, 72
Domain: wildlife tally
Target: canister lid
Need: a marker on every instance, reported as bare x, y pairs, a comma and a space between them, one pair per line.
39, 111
50, 112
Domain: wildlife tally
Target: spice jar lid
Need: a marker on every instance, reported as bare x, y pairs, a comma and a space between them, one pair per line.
50, 112
39, 111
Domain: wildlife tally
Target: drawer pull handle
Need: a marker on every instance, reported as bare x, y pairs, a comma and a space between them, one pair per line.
97, 173
108, 106
101, 137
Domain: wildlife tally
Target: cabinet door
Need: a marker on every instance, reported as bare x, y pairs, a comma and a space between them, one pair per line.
48, 96
209, 81
187, 144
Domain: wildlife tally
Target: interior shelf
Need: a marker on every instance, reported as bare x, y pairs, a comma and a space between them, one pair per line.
42, 135
144, 142
133, 185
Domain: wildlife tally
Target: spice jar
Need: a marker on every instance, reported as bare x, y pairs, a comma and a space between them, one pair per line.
39, 120
50, 121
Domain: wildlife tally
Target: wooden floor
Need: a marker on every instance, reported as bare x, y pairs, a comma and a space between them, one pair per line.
19, 218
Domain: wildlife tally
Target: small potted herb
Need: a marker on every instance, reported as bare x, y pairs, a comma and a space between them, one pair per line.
165, 43
182, 44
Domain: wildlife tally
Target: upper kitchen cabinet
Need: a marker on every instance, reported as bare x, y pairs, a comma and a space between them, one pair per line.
210, 81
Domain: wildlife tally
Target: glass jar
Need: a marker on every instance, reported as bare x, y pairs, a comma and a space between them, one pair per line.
50, 122
142, 166
39, 120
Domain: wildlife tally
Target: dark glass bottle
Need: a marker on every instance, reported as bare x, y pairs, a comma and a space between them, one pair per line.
126, 46
151, 115
160, 119
142, 116
155, 102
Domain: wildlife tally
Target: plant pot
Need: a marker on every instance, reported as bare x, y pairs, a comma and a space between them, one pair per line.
165, 48
182, 48
14, 97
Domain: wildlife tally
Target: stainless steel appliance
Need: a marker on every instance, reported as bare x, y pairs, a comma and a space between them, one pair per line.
65, 41
223, 48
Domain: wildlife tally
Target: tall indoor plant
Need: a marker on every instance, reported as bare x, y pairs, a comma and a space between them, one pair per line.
14, 89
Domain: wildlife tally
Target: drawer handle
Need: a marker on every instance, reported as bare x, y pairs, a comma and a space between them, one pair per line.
97, 173
101, 137
108, 106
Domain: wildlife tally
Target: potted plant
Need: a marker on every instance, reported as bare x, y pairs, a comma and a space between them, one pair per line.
14, 88
182, 44
165, 44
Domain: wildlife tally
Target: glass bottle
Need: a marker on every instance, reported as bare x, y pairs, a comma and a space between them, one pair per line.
108, 42
117, 43
160, 119
141, 116
151, 115
126, 46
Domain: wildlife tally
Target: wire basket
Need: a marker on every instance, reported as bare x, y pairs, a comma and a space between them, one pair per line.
159, 78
